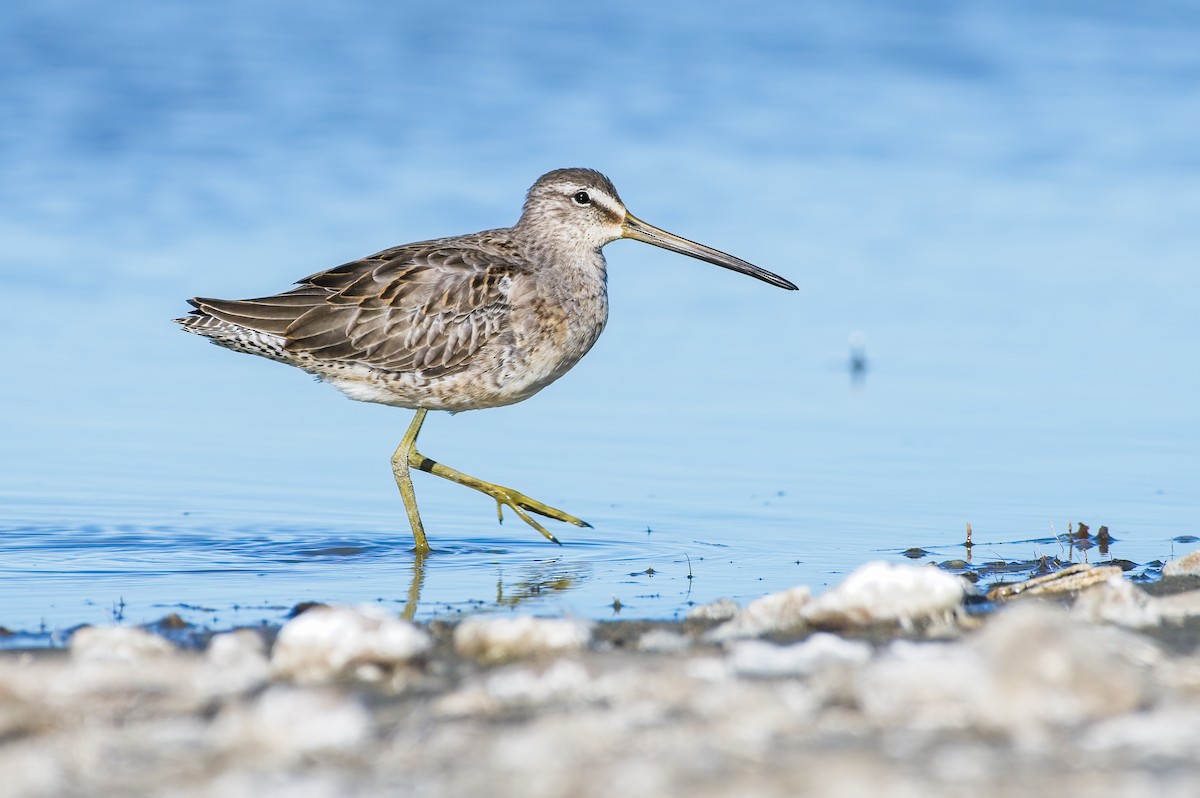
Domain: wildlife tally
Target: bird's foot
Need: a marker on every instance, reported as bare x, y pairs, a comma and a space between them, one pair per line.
519, 503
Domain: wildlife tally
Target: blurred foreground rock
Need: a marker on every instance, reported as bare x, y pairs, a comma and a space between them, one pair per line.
886, 685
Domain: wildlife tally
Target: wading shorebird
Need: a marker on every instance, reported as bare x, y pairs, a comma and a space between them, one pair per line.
462, 323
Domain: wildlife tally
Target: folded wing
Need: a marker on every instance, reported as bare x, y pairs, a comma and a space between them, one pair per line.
419, 307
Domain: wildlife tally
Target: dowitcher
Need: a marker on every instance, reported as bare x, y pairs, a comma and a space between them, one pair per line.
462, 323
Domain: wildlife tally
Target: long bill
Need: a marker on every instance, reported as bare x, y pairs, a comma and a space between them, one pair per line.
638, 230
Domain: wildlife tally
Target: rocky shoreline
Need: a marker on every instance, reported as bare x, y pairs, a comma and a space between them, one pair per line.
898, 681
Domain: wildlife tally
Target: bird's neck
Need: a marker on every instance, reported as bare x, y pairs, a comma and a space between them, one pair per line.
572, 261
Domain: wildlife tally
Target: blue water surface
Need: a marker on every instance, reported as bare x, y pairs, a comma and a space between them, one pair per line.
996, 201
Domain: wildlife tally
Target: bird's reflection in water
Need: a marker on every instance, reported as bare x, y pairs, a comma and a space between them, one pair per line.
535, 587
414, 587
534, 581
857, 364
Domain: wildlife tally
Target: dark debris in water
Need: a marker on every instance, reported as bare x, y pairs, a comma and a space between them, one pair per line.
1078, 545
190, 607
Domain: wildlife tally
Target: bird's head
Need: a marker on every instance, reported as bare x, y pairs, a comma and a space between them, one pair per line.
581, 209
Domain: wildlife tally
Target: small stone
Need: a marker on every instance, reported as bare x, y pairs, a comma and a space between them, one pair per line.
1118, 601
1045, 668
1031, 669
882, 592
561, 681
921, 686
775, 612
720, 610
239, 660
118, 643
1169, 732
760, 659
1187, 565
1071, 579
172, 621
325, 643
492, 640
662, 641
1179, 606
293, 722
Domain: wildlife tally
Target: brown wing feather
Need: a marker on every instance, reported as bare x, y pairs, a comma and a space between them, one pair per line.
424, 306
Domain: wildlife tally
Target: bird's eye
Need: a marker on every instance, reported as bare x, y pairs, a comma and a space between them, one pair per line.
582, 198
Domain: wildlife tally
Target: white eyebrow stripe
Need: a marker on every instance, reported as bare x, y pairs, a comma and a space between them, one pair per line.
609, 206
598, 196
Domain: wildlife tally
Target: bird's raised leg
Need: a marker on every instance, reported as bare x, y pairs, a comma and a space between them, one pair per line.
407, 456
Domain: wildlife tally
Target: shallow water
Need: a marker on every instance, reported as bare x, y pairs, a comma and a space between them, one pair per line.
999, 197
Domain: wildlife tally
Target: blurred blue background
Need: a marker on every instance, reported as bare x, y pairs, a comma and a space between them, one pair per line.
999, 198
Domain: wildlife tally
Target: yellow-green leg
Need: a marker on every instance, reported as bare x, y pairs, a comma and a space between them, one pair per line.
407, 456
400, 461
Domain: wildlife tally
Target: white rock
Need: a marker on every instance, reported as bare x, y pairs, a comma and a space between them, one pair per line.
1187, 565
515, 637
708, 669
882, 592
1169, 732
291, 722
1045, 668
922, 685
1178, 606
1030, 670
1118, 601
239, 660
662, 641
328, 642
562, 680
37, 770
822, 650
774, 612
232, 649
720, 610
118, 643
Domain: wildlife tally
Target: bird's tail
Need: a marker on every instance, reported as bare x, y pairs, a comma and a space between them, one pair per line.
205, 320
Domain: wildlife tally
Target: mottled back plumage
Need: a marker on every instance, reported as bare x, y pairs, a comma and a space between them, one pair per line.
428, 306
